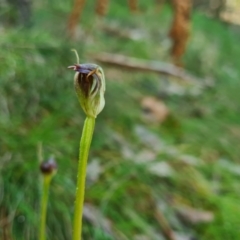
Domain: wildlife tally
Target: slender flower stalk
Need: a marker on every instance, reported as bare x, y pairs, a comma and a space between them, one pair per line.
48, 170
44, 201
89, 84
85, 143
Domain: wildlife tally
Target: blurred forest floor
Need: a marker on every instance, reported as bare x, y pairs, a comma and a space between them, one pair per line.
164, 161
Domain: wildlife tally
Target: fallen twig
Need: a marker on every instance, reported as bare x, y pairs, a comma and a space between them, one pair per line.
148, 66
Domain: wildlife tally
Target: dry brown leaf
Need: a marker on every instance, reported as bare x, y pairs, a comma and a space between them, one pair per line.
154, 110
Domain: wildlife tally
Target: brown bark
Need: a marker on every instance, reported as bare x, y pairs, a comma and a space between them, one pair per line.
179, 32
102, 7
133, 5
74, 17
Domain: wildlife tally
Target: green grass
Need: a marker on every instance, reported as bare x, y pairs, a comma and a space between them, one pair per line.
38, 105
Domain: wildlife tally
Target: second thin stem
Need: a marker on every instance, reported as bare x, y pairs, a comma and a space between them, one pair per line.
44, 201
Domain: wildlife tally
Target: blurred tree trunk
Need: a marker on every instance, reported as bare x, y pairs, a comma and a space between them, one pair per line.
133, 5
102, 7
179, 32
74, 17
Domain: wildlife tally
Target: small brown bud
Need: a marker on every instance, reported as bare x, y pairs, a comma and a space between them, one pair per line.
48, 167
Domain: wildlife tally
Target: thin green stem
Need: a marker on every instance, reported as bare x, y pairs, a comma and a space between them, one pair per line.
85, 143
44, 201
